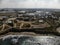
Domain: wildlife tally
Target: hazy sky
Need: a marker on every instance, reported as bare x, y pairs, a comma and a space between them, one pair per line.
30, 4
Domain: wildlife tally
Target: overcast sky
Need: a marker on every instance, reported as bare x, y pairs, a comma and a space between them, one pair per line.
30, 4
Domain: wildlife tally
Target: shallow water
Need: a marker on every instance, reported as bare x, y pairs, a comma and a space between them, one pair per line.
29, 40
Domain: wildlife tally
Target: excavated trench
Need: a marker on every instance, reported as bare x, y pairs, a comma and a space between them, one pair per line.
37, 31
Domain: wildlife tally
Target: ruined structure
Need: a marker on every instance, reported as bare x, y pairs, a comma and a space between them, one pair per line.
34, 21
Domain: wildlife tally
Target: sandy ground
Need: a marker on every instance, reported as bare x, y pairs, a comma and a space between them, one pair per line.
26, 33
